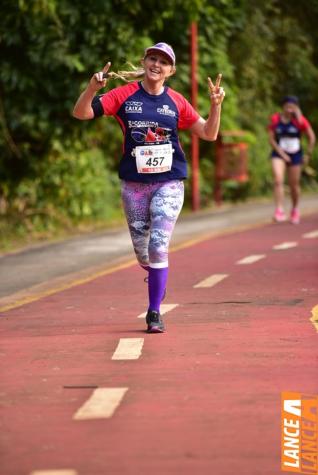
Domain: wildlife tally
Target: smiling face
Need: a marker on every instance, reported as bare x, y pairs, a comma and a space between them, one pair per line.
157, 67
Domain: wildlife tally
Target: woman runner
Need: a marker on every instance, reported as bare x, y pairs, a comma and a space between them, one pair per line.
285, 130
153, 165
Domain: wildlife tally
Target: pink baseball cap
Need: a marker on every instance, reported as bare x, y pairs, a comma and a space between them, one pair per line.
163, 48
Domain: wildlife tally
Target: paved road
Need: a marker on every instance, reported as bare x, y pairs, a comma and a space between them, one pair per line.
40, 264
85, 391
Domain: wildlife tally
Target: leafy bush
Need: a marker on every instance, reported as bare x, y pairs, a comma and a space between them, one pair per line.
57, 172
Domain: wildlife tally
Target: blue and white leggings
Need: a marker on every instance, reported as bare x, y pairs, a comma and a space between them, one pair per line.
151, 211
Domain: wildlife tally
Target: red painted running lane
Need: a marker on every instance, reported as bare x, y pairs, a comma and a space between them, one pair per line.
203, 397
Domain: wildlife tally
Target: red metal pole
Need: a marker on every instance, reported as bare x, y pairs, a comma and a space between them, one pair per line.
194, 100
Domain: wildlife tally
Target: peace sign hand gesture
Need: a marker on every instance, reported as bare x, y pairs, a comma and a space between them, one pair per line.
99, 79
216, 92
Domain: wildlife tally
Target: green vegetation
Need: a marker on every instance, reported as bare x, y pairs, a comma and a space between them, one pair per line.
59, 174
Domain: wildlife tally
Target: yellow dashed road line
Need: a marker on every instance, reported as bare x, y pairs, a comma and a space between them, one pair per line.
101, 405
128, 349
284, 245
36, 293
314, 317
311, 235
210, 281
60, 284
251, 259
54, 285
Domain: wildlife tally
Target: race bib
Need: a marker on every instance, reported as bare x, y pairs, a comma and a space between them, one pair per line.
290, 144
154, 158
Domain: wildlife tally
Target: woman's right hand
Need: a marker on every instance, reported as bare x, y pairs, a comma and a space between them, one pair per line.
97, 81
285, 156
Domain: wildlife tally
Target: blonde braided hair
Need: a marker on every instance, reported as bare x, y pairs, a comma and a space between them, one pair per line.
135, 73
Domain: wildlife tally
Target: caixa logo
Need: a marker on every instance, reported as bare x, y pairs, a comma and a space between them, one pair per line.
164, 110
133, 107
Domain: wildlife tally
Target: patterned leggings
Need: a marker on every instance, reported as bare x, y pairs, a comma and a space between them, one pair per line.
151, 211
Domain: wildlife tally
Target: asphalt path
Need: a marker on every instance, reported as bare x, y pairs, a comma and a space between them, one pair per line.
85, 391
45, 263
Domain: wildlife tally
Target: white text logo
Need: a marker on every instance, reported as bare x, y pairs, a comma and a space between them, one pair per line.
133, 107
164, 110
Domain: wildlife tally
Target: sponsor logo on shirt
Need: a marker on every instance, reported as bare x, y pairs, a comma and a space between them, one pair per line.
291, 129
146, 152
150, 134
142, 123
164, 110
133, 107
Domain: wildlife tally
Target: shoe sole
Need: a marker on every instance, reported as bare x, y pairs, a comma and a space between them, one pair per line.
155, 330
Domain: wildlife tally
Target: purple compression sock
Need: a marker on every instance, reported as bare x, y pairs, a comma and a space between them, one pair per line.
156, 287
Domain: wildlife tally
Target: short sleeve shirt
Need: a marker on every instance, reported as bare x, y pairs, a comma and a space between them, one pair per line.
149, 119
288, 135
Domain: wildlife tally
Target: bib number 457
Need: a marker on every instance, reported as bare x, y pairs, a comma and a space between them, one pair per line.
155, 162
154, 158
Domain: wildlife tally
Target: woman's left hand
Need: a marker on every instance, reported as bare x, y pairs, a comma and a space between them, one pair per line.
216, 92
297, 111
306, 158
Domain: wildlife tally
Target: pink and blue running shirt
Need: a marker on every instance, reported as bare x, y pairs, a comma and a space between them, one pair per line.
288, 136
148, 119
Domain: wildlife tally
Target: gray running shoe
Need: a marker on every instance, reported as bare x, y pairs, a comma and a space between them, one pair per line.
154, 322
